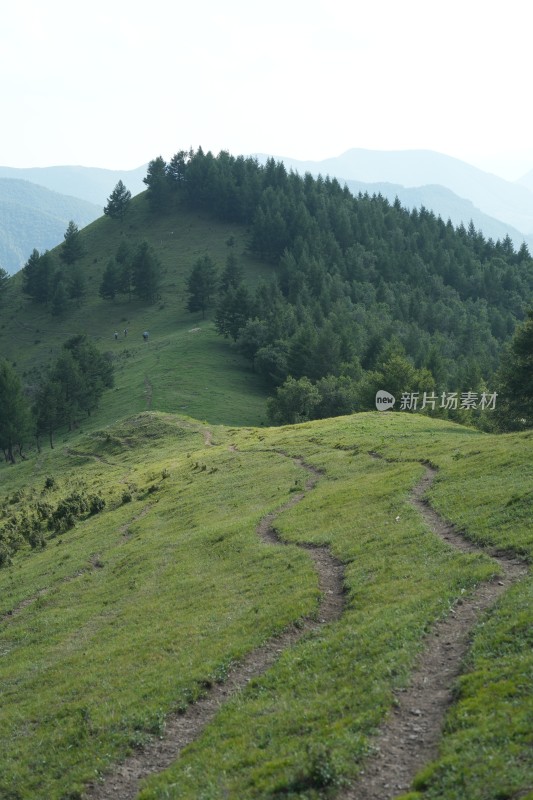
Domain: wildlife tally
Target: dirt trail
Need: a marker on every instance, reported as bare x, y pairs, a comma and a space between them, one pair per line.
94, 563
182, 729
410, 736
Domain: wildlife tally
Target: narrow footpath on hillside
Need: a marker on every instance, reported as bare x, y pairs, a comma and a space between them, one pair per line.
182, 729
410, 736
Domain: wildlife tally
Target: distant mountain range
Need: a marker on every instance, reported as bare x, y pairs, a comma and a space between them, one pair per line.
89, 183
37, 204
34, 217
527, 180
451, 188
447, 205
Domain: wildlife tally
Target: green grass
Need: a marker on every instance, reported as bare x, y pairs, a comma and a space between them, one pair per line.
129, 614
189, 368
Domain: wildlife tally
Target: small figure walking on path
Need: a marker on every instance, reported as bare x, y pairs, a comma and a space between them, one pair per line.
116, 335
145, 336
125, 332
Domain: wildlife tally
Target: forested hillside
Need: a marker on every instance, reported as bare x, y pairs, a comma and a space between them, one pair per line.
363, 292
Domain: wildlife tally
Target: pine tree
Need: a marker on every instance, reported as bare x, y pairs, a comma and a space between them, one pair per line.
72, 248
515, 401
124, 259
67, 374
177, 167
232, 274
37, 276
232, 312
15, 418
146, 270
29, 273
96, 370
77, 285
158, 184
118, 202
201, 285
73, 386
252, 337
48, 410
110, 283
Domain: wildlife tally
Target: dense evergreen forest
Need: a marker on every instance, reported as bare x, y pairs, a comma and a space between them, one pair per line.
364, 293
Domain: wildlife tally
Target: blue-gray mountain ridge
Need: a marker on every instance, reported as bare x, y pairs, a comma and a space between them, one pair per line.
36, 205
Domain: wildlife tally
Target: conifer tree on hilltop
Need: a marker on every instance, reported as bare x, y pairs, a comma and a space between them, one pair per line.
201, 285
158, 183
118, 202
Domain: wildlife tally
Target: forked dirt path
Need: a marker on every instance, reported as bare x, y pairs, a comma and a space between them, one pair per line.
410, 736
182, 729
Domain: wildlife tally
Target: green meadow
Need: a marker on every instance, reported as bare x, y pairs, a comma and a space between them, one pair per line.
148, 580
134, 610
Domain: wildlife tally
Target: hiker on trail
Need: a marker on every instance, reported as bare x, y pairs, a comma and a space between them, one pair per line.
145, 336
125, 332
116, 335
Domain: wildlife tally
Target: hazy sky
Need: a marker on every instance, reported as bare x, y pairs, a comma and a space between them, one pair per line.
115, 83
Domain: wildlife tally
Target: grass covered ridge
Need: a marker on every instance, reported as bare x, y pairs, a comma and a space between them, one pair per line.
135, 610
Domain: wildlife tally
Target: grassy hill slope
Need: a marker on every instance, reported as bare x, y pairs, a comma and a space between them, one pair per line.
185, 366
135, 611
